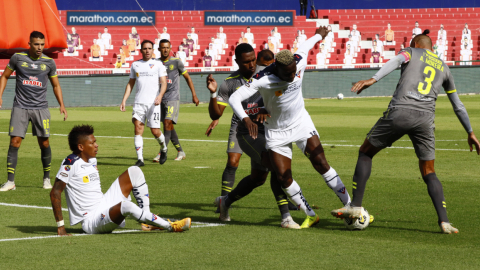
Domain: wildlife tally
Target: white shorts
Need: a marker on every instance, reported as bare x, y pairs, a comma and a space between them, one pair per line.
99, 221
280, 141
147, 113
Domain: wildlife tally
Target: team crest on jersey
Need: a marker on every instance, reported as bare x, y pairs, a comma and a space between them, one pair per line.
67, 168
34, 66
95, 166
151, 66
24, 64
171, 67
43, 67
249, 82
102, 216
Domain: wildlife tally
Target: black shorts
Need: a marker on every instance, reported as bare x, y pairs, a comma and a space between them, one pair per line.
396, 122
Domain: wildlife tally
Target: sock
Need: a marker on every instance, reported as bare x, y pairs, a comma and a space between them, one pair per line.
362, 173
228, 179
12, 158
244, 187
139, 146
294, 192
435, 191
175, 141
140, 188
280, 196
335, 183
46, 161
168, 134
132, 210
161, 142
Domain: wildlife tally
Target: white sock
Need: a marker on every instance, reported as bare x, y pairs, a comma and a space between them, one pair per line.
140, 188
132, 210
294, 192
335, 183
161, 142
139, 146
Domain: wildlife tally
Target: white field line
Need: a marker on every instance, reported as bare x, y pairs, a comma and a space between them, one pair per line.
200, 224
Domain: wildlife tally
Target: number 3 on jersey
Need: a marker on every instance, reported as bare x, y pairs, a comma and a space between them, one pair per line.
428, 80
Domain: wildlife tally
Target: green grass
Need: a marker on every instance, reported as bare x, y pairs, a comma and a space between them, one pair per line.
405, 234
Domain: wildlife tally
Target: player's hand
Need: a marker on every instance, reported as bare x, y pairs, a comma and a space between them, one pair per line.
252, 127
195, 100
158, 100
211, 84
262, 116
322, 31
62, 232
64, 112
122, 107
472, 140
211, 127
362, 85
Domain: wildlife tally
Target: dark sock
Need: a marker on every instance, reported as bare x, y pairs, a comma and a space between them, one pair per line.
244, 187
46, 161
168, 134
175, 141
12, 158
280, 196
228, 179
435, 191
362, 173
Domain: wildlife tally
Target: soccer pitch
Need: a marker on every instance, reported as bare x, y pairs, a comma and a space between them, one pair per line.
405, 234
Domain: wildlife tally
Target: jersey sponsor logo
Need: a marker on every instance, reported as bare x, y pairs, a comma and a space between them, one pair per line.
32, 82
24, 64
86, 179
251, 105
94, 177
64, 174
138, 75
67, 168
34, 66
169, 81
43, 67
278, 93
252, 111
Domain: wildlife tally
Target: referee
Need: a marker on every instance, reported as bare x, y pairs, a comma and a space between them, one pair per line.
33, 70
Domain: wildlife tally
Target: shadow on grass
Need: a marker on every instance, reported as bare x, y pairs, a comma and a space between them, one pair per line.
43, 229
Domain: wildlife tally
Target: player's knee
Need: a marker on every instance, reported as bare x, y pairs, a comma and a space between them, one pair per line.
126, 208
43, 143
136, 176
431, 177
168, 124
15, 142
233, 161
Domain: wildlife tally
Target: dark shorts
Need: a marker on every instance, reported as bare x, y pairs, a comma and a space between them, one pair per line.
170, 110
233, 146
396, 122
19, 122
254, 148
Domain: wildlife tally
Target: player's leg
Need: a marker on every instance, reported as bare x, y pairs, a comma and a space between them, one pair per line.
280, 158
138, 120
234, 153
41, 128
313, 149
162, 155
153, 122
170, 122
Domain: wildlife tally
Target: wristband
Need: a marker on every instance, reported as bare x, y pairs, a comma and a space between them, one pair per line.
213, 95
60, 223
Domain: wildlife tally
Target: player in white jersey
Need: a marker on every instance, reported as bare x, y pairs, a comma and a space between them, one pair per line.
147, 73
97, 212
287, 122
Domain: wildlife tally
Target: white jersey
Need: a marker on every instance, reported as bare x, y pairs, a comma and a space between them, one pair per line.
106, 39
165, 36
321, 57
146, 75
83, 191
283, 100
249, 37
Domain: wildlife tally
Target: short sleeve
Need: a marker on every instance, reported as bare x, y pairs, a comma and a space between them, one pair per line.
223, 94
162, 71
407, 53
449, 84
132, 73
181, 67
65, 172
13, 62
53, 70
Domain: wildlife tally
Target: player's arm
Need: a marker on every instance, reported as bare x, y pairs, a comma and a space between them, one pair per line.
214, 108
3, 82
386, 69
56, 199
235, 101
211, 127
128, 90
163, 89
57, 90
189, 81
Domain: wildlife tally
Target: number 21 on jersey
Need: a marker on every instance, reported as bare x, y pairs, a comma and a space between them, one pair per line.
425, 89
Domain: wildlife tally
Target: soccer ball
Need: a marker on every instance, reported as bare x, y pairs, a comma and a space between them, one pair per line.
340, 96
358, 223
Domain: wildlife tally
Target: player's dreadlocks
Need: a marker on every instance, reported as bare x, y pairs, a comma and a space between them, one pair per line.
284, 58
77, 134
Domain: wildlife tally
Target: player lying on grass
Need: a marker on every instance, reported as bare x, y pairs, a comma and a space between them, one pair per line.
280, 85
241, 141
411, 111
98, 212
